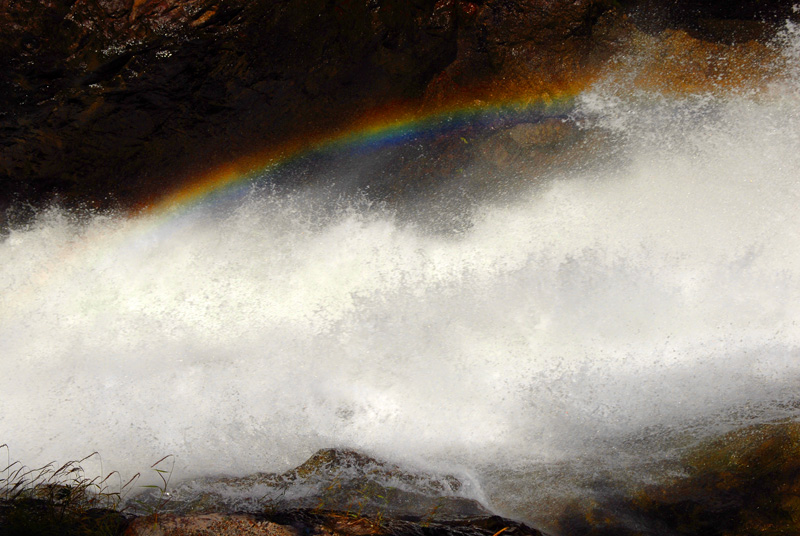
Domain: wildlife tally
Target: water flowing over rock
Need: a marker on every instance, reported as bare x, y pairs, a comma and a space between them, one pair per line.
335, 492
331, 479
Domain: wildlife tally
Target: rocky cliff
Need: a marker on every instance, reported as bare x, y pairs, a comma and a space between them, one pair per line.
108, 103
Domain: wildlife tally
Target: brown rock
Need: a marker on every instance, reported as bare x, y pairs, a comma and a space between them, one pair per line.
499, 151
528, 47
206, 525
675, 62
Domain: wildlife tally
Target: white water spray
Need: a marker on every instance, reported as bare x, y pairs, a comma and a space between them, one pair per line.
658, 295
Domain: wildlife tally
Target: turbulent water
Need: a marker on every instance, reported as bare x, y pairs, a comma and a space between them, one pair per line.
599, 319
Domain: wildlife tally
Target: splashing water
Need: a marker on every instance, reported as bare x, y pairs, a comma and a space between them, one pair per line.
656, 297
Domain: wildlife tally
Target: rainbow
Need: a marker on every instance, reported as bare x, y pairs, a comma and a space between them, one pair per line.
230, 181
392, 127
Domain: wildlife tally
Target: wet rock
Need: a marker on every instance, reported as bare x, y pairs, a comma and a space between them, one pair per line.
318, 523
207, 525
532, 151
499, 151
334, 493
675, 62
745, 482
547, 133
656, 15
117, 102
331, 479
528, 47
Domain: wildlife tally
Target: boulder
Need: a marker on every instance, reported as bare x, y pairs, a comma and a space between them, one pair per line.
332, 479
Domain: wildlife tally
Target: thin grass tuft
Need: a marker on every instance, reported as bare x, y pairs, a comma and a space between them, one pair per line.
60, 500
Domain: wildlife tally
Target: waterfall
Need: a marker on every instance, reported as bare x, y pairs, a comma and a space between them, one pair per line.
599, 317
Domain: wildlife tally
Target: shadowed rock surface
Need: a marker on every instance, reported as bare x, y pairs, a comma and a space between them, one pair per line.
108, 103
746, 482
318, 523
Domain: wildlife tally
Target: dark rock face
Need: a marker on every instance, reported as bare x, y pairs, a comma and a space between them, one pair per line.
116, 102
111, 97
528, 46
693, 15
